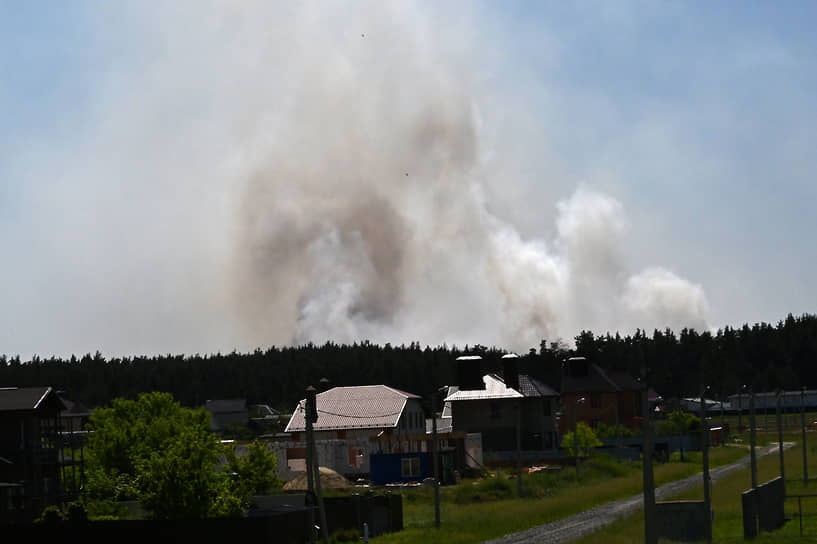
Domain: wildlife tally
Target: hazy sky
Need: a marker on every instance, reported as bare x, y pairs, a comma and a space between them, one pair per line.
200, 176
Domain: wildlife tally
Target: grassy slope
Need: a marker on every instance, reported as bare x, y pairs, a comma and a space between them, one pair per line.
474, 522
726, 502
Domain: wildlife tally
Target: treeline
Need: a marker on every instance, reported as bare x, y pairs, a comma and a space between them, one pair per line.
764, 356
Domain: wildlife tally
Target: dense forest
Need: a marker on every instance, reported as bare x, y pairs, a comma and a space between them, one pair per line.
765, 356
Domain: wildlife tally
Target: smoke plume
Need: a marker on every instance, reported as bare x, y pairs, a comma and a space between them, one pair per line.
366, 218
258, 174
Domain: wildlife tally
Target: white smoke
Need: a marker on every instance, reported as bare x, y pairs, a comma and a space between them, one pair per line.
310, 176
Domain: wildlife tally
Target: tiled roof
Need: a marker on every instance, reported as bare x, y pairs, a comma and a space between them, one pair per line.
358, 407
444, 425
531, 387
23, 398
223, 406
447, 405
495, 388
599, 381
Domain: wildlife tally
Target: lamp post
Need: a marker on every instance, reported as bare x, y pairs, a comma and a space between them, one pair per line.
803, 424
780, 438
752, 438
705, 460
576, 434
650, 528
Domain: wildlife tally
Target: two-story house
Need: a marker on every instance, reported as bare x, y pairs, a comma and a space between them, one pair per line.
360, 420
593, 395
29, 452
496, 406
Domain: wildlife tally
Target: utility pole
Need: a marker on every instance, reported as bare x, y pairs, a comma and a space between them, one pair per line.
311, 418
780, 438
576, 434
519, 447
740, 411
435, 453
650, 529
618, 432
752, 455
803, 425
310, 482
705, 459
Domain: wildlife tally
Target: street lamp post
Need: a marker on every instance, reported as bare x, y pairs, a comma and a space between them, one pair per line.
576, 434
705, 460
780, 438
752, 438
803, 424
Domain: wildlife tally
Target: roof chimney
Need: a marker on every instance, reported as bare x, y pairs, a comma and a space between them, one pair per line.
510, 370
577, 367
469, 372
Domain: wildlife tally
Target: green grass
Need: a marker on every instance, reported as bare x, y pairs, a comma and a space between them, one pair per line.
726, 502
477, 510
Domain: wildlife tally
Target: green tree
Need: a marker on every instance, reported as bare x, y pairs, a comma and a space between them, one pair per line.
587, 440
163, 454
254, 473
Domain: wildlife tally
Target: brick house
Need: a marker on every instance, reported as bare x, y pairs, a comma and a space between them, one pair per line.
598, 396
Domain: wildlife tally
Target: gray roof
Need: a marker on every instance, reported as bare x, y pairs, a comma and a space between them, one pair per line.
25, 398
357, 407
226, 406
495, 388
599, 381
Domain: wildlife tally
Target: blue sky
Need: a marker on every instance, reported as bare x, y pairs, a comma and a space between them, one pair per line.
128, 132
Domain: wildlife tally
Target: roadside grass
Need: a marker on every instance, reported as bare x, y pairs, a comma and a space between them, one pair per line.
726, 501
477, 510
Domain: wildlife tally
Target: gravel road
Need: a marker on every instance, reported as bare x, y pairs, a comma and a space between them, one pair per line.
590, 521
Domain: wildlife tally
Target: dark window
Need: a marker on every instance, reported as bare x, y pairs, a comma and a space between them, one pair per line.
495, 411
410, 467
595, 400
546, 407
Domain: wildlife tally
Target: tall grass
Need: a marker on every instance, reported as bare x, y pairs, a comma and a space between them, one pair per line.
726, 501
478, 510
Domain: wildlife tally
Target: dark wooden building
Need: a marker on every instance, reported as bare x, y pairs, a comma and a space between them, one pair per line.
29, 452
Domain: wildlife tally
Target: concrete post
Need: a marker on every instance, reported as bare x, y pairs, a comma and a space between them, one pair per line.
803, 425
780, 438
705, 460
519, 447
650, 528
752, 454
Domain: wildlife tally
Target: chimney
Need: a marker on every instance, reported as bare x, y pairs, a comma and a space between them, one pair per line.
510, 370
577, 367
469, 373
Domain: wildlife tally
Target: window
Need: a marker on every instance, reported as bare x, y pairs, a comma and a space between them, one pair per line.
595, 400
411, 467
495, 411
546, 407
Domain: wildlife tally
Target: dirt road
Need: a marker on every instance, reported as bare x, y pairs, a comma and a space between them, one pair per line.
590, 521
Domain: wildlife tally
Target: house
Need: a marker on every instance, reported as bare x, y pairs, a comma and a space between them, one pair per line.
29, 452
593, 395
72, 437
354, 423
227, 413
495, 405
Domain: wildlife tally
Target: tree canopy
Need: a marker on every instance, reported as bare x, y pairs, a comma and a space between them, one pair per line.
154, 450
766, 356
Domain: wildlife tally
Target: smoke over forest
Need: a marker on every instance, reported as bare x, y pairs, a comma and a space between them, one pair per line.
367, 218
280, 175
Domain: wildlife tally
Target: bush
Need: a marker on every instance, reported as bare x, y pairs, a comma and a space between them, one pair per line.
51, 514
76, 513
678, 423
344, 535
587, 440
608, 432
491, 489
